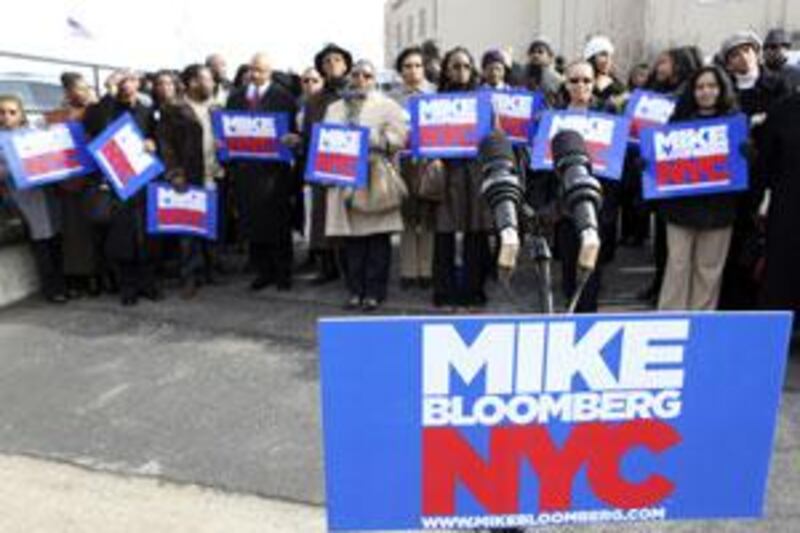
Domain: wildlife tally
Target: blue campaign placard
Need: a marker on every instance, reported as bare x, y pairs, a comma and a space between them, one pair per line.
606, 138
338, 156
476, 422
449, 125
517, 113
648, 109
248, 135
120, 153
191, 212
37, 157
695, 158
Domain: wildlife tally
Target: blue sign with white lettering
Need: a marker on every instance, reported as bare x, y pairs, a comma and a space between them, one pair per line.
488, 422
338, 156
695, 158
449, 125
605, 135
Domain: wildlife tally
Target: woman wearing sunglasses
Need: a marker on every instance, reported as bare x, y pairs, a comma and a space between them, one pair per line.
365, 219
39, 209
579, 95
461, 258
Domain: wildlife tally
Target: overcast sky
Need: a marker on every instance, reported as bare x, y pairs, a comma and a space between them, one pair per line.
172, 33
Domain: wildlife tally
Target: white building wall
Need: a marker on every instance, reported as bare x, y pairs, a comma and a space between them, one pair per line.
639, 28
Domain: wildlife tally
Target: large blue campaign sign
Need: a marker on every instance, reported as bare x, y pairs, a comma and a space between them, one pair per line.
449, 125
251, 135
121, 154
338, 156
475, 422
517, 113
648, 109
695, 158
39, 157
606, 138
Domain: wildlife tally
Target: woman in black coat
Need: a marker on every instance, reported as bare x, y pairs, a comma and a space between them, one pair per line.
461, 257
781, 158
698, 228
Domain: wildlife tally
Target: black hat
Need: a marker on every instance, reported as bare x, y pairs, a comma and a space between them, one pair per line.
543, 42
778, 36
333, 49
493, 56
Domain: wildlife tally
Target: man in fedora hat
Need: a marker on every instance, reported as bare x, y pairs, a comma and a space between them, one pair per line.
334, 63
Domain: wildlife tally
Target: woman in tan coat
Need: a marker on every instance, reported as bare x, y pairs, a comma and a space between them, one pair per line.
366, 219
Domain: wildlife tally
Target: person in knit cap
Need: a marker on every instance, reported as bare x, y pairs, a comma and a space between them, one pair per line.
599, 52
495, 69
758, 91
540, 72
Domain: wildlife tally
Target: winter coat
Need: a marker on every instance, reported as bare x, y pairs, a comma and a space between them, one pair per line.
388, 126
417, 212
782, 159
314, 112
266, 189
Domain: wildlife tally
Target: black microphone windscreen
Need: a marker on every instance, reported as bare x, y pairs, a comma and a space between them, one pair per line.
567, 142
494, 147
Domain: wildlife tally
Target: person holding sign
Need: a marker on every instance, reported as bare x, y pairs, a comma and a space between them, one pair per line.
580, 96
266, 188
39, 211
461, 258
125, 242
699, 228
365, 218
416, 241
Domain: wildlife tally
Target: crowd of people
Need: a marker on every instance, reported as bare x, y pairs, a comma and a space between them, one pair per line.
725, 251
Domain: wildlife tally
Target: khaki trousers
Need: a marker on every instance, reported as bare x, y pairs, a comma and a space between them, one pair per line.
695, 260
416, 254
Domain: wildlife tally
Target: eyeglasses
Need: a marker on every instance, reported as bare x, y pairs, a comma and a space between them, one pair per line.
311, 80
576, 81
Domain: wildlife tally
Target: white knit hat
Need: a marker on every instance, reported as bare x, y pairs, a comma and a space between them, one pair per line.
597, 45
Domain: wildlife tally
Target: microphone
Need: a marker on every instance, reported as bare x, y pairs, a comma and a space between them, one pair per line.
581, 193
503, 192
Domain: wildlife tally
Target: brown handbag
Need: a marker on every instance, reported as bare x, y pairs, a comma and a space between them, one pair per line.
385, 189
432, 183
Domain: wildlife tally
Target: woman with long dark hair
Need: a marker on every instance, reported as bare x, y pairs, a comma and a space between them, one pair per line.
461, 247
698, 228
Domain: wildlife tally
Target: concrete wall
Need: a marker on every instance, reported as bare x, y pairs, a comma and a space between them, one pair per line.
639, 28
477, 24
18, 277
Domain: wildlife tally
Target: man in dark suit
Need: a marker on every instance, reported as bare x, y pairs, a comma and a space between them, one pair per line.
266, 188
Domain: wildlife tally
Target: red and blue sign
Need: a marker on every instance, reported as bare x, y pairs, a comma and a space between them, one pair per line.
120, 153
605, 135
491, 422
648, 109
517, 113
338, 156
449, 125
695, 158
192, 211
251, 136
39, 157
